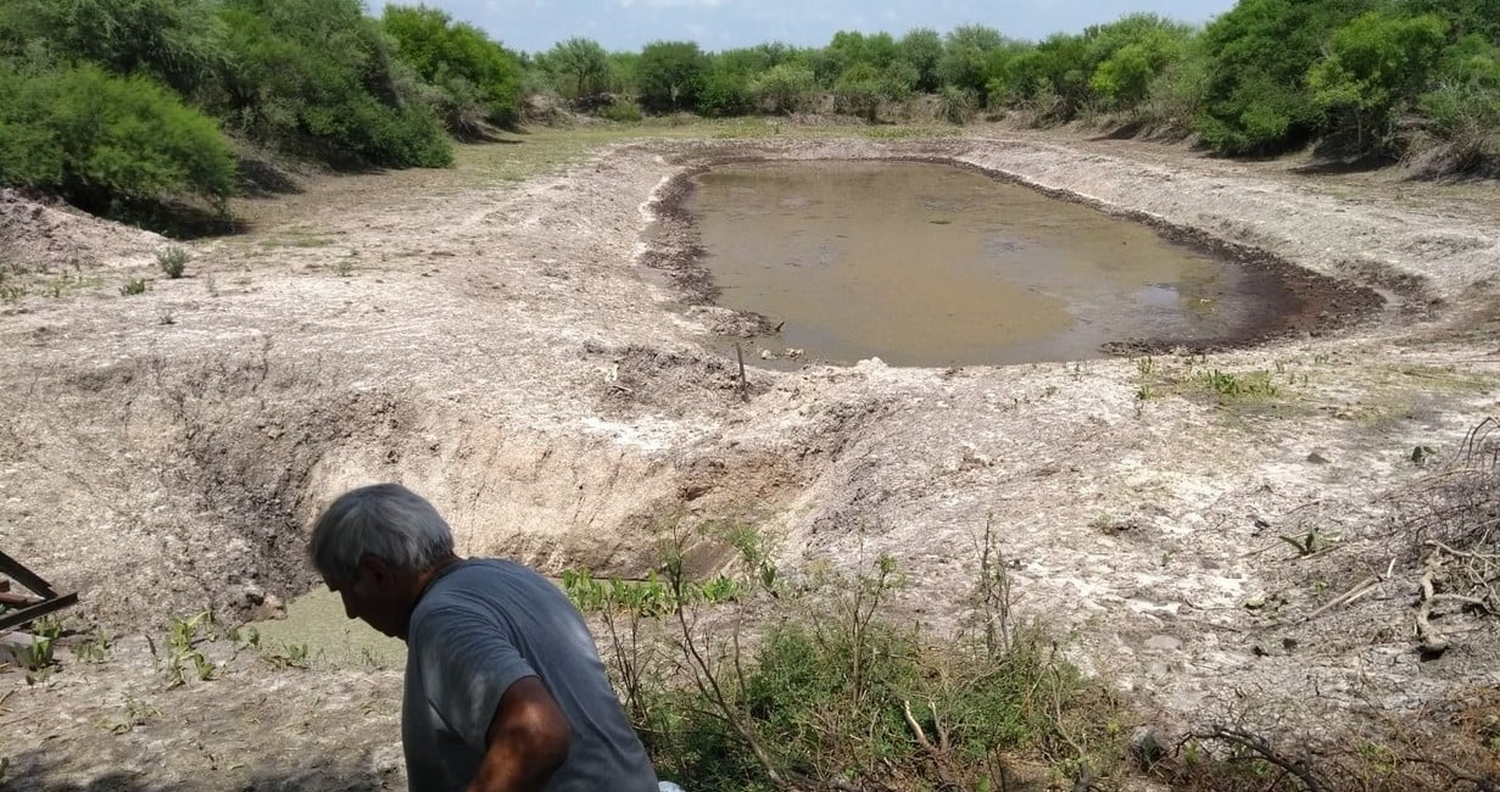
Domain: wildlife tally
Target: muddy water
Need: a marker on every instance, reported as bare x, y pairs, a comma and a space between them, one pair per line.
316, 620
925, 264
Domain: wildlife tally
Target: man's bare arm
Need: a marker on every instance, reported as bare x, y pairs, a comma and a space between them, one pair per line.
528, 740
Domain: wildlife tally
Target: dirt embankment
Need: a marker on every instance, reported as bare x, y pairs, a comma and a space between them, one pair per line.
511, 353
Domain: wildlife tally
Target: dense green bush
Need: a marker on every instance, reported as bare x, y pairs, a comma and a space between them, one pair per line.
316, 78
1260, 52
1375, 67
101, 140
786, 88
580, 67
1461, 113
670, 76
965, 60
458, 59
1126, 57
724, 94
1051, 78
622, 110
1176, 95
859, 91
179, 42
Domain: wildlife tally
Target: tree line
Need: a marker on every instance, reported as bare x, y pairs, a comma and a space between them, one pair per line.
110, 102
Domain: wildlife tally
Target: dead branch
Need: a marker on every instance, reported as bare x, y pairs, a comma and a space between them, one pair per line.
1258, 745
938, 753
1360, 589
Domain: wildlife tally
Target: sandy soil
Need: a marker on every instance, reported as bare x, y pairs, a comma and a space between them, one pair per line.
518, 354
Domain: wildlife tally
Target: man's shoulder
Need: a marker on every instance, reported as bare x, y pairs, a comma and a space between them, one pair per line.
486, 580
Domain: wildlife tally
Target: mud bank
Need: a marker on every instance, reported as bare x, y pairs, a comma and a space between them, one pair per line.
510, 352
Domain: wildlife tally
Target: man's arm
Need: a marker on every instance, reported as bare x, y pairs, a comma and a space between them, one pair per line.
527, 741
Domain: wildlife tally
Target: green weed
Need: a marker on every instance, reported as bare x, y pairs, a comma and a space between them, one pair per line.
94, 649
1233, 387
184, 635
292, 655
172, 261
133, 287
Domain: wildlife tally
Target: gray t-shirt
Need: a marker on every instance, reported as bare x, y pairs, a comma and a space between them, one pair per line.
481, 626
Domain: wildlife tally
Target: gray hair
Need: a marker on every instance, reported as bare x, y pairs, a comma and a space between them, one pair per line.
387, 521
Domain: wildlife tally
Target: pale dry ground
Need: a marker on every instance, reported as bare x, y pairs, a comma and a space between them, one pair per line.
500, 349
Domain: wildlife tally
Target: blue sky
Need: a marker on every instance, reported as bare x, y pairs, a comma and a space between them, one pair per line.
535, 25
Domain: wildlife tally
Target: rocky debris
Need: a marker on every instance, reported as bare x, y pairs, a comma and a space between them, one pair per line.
41, 236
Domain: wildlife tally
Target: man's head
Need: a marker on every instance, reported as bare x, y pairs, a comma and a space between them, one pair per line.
377, 546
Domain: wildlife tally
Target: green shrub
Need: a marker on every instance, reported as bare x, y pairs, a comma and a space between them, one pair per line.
724, 94
622, 110
1374, 68
458, 59
100, 140
133, 287
922, 50
858, 91
580, 65
837, 690
956, 105
670, 75
1461, 114
1176, 95
1260, 52
784, 88
179, 42
315, 78
172, 261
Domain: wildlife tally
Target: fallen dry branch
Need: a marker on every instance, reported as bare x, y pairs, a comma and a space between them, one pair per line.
1477, 576
1257, 745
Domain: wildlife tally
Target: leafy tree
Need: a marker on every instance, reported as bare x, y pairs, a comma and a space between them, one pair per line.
965, 57
458, 59
783, 89
922, 49
316, 77
583, 63
725, 92
1176, 96
1052, 76
858, 91
101, 140
1463, 111
624, 72
1260, 53
1127, 56
1375, 65
1464, 17
671, 75
176, 41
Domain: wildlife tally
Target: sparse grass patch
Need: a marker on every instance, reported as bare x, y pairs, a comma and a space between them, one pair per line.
835, 691
291, 655
1237, 386
296, 238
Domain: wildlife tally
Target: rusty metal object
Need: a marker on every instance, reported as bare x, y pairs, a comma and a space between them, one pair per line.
22, 610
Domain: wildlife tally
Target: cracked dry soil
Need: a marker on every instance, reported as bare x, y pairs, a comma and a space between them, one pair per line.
555, 385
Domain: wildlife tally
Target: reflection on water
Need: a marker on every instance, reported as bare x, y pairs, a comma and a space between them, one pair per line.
931, 265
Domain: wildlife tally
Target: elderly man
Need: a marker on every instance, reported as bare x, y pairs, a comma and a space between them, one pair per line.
505, 690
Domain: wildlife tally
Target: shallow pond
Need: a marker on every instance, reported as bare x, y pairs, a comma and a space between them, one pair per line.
929, 265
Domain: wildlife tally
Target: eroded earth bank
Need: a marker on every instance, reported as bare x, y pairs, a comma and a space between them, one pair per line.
556, 386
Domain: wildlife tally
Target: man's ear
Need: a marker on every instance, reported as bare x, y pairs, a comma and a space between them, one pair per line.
377, 570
